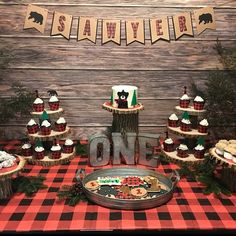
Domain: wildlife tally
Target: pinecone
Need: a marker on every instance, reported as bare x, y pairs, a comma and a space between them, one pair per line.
77, 188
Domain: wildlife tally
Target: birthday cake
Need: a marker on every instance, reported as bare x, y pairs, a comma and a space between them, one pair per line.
124, 96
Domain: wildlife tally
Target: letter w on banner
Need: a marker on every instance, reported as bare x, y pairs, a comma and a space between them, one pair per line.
111, 31
61, 25
183, 24
87, 29
134, 31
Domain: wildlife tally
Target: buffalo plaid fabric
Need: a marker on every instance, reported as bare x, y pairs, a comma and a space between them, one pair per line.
189, 209
33, 129
45, 130
55, 155
172, 123
168, 147
38, 107
68, 149
184, 103
60, 127
185, 127
202, 129
198, 105
54, 106
39, 155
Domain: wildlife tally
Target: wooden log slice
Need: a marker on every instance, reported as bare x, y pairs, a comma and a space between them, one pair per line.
190, 134
190, 110
107, 106
50, 113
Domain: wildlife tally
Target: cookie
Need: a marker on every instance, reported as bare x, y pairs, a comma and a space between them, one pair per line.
109, 180
138, 192
132, 181
92, 185
121, 195
107, 190
163, 186
148, 178
154, 186
125, 189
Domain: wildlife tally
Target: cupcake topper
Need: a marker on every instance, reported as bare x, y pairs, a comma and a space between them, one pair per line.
201, 141
111, 99
38, 143
52, 92
44, 116
36, 93
167, 136
185, 89
54, 142
185, 115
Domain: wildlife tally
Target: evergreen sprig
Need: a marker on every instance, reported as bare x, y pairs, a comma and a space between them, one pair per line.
28, 185
81, 149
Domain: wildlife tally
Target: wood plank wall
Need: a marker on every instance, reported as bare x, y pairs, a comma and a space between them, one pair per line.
83, 73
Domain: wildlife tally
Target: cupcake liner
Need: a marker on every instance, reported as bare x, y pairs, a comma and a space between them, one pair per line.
184, 103
33, 129
39, 155
68, 149
27, 152
198, 105
45, 130
38, 107
53, 106
202, 129
55, 155
172, 123
60, 127
199, 154
185, 127
182, 153
168, 147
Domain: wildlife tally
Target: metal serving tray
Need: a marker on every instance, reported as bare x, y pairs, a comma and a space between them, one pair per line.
129, 204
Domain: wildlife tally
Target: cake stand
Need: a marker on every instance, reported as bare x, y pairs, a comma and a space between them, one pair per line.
6, 178
124, 120
228, 172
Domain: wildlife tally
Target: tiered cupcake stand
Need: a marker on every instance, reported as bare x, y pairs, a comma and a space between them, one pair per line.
190, 137
6, 177
47, 141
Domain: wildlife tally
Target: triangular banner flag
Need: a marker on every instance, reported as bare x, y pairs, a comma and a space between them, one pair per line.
61, 24
87, 29
205, 19
159, 28
36, 17
183, 24
134, 31
111, 31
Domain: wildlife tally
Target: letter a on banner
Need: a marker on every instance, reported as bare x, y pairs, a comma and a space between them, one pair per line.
134, 31
183, 24
205, 19
87, 29
159, 29
111, 31
36, 18
61, 25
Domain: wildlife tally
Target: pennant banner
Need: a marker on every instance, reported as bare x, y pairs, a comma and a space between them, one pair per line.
36, 18
134, 31
159, 28
111, 31
61, 25
205, 19
183, 24
87, 29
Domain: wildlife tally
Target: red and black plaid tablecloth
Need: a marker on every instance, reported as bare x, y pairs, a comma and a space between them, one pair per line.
189, 208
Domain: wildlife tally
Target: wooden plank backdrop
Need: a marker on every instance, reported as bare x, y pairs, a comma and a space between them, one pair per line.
83, 73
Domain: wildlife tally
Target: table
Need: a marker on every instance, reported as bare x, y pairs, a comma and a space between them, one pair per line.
189, 209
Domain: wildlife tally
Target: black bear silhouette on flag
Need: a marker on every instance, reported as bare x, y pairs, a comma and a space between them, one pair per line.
38, 18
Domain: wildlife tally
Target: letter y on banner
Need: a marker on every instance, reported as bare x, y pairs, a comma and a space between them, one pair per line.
134, 31
111, 31
36, 18
61, 25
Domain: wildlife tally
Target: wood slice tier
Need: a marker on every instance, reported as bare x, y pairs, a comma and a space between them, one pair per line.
172, 157
50, 112
107, 106
190, 134
190, 110
54, 134
47, 161
222, 160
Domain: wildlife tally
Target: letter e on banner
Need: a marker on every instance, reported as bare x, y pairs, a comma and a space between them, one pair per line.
182, 24
61, 25
111, 31
134, 31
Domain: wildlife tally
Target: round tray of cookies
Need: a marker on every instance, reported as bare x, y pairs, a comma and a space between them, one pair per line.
128, 188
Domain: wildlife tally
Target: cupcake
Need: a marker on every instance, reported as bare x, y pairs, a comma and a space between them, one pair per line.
185, 124
173, 120
60, 125
228, 153
168, 145
182, 151
202, 126
39, 152
68, 146
199, 151
55, 151
198, 103
26, 150
53, 103
45, 128
220, 148
32, 127
38, 104
184, 100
